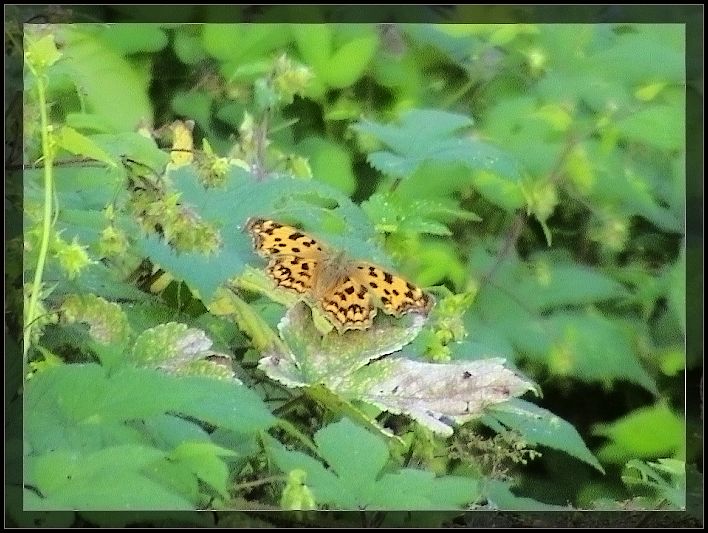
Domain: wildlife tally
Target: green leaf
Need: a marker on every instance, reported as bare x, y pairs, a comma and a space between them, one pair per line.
355, 480
427, 135
330, 163
346, 365
660, 126
42, 53
117, 491
103, 76
72, 141
85, 394
556, 284
396, 212
648, 432
88, 121
110, 478
666, 477
279, 198
53, 471
499, 496
235, 44
348, 62
588, 346
359, 465
204, 459
132, 38
539, 426
676, 293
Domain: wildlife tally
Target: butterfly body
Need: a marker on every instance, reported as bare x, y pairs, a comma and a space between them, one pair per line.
348, 291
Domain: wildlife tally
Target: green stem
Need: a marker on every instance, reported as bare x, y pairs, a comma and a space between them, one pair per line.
48, 157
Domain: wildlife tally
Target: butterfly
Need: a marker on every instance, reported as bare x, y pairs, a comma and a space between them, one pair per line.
348, 292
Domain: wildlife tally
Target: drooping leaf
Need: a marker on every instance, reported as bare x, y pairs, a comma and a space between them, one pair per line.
539, 426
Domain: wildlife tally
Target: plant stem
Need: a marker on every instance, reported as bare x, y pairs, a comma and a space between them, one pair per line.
48, 158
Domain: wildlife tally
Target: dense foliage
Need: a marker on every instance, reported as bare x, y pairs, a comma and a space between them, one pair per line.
532, 177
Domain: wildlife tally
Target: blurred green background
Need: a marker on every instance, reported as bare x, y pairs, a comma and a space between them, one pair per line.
539, 168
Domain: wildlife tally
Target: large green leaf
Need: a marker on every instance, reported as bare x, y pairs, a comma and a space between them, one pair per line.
429, 135
355, 479
436, 395
103, 76
314, 204
76, 396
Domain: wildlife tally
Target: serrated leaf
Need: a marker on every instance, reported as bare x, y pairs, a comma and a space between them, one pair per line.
540, 426
82, 394
225, 208
56, 471
107, 321
355, 481
427, 135
311, 358
392, 213
667, 477
119, 491
168, 346
346, 365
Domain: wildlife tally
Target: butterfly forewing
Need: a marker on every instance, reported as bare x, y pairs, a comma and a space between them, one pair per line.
271, 238
292, 272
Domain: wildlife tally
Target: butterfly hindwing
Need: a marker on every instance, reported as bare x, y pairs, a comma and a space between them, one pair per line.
349, 306
395, 295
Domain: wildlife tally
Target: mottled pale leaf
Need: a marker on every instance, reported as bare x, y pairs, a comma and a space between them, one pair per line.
331, 358
178, 349
106, 320
439, 395
436, 395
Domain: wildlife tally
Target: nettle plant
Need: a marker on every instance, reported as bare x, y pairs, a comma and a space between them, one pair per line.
193, 382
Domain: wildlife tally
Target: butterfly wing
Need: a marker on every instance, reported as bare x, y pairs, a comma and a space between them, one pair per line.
294, 256
292, 273
395, 295
272, 238
349, 306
